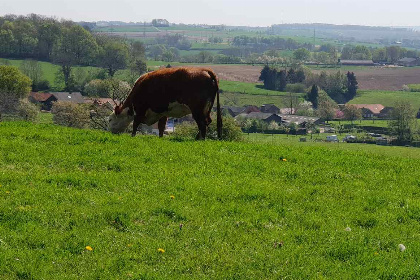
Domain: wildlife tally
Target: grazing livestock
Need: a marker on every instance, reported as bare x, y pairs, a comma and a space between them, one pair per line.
170, 92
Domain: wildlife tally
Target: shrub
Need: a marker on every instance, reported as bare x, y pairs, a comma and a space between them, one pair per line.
414, 87
42, 85
95, 88
107, 88
186, 130
296, 88
27, 110
230, 132
70, 114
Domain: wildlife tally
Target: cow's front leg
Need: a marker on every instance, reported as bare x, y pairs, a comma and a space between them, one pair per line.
136, 123
162, 125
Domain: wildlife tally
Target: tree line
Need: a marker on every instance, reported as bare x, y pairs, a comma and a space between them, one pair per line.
67, 44
340, 87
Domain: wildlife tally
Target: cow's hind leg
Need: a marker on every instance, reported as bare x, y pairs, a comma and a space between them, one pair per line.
162, 125
202, 124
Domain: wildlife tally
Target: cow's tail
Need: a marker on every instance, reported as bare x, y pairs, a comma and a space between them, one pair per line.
219, 111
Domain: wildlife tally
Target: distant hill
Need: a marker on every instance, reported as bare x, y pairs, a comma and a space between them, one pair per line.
407, 36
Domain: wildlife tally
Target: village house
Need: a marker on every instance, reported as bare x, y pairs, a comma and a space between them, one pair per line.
408, 62
232, 110
251, 108
266, 117
270, 108
74, 97
101, 102
45, 100
300, 121
386, 113
370, 110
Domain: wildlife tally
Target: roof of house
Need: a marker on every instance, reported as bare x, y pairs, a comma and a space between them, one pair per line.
387, 109
75, 97
408, 59
298, 119
374, 108
267, 106
257, 115
40, 96
234, 109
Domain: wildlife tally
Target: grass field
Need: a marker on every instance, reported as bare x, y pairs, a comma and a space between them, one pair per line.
250, 88
80, 204
386, 98
239, 99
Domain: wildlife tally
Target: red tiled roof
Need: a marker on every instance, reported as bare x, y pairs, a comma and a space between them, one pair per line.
374, 108
102, 101
40, 96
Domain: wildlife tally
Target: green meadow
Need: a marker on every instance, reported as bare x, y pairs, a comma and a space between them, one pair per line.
250, 88
386, 98
83, 204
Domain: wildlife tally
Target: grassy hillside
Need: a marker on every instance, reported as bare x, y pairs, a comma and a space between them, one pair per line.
386, 98
79, 204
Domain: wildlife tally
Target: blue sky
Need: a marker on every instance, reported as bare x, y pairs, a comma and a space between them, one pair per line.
229, 12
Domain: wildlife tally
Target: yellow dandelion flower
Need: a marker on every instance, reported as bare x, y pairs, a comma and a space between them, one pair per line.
129, 245
284, 159
376, 253
7, 192
89, 248
172, 197
160, 250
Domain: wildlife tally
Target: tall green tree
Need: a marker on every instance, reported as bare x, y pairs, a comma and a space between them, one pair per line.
114, 56
13, 86
352, 86
352, 113
75, 47
33, 70
313, 96
301, 55
281, 81
403, 121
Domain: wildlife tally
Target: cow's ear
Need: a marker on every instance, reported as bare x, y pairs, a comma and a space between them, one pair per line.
117, 110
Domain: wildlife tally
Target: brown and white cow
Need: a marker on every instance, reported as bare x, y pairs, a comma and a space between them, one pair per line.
169, 92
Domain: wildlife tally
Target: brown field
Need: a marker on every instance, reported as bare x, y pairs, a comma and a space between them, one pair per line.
373, 78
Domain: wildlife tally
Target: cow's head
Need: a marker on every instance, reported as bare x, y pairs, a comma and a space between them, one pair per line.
119, 120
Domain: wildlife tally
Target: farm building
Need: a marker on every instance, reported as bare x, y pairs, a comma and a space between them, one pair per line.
386, 113
101, 102
370, 110
357, 62
266, 117
43, 99
299, 120
408, 62
75, 97
251, 108
270, 108
231, 110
